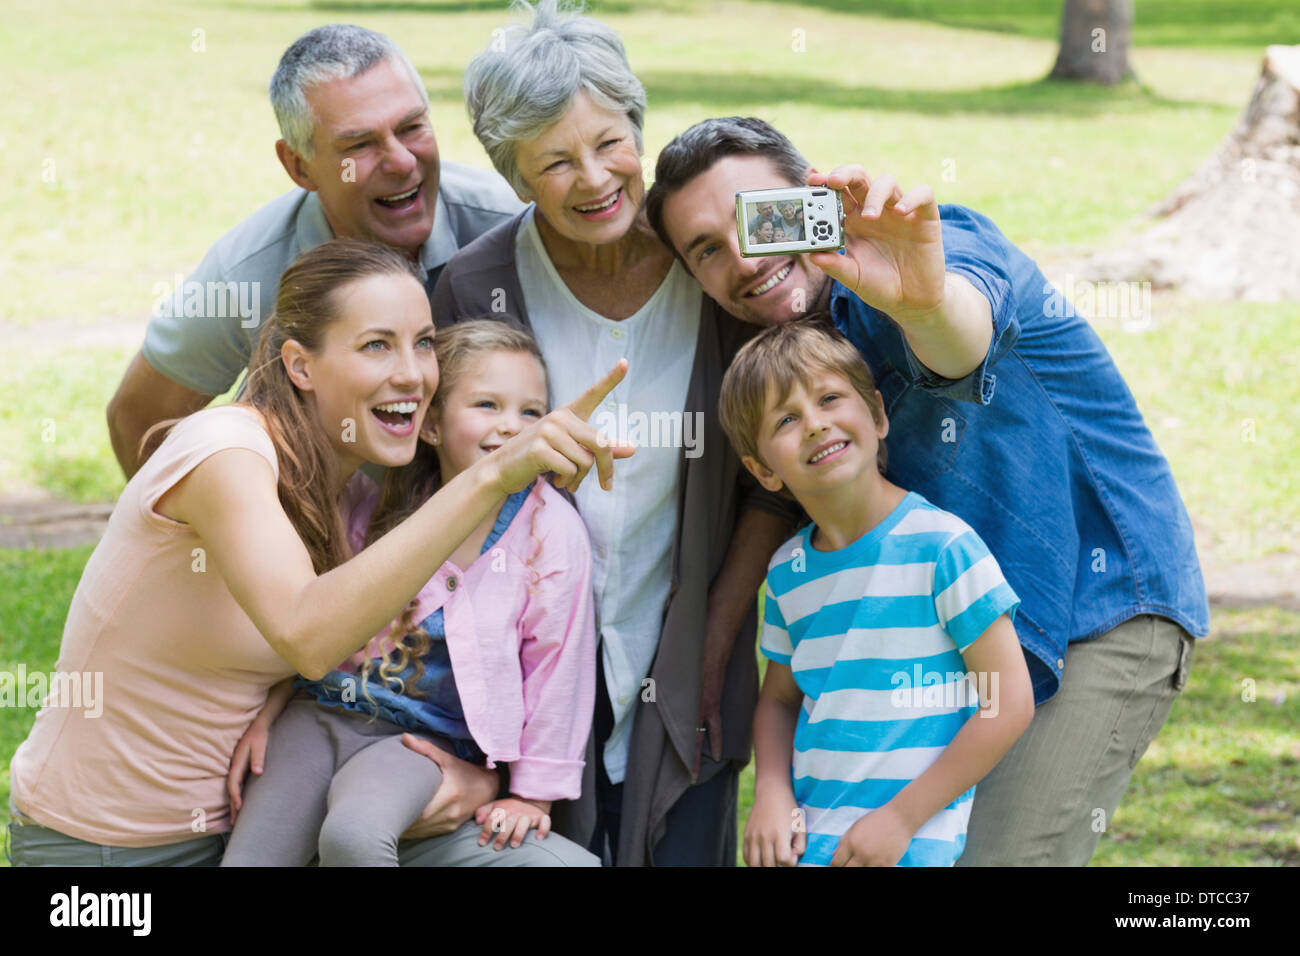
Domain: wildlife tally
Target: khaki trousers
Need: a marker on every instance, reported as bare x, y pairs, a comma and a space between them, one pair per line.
1049, 799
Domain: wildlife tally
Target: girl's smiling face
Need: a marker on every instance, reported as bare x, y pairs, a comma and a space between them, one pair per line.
498, 395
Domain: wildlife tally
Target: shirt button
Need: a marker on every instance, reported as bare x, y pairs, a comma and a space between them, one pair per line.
617, 333
451, 584
1060, 663
622, 701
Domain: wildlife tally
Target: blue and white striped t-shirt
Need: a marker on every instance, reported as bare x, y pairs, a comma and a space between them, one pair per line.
873, 634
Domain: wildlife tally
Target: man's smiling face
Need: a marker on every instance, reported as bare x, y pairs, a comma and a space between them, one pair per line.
375, 165
700, 219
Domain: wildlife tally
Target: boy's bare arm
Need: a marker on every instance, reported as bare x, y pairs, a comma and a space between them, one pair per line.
775, 717
981, 743
771, 837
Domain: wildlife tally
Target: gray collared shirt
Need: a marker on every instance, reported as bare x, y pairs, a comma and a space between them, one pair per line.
204, 326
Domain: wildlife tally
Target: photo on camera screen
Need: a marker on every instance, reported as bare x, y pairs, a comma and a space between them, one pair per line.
779, 221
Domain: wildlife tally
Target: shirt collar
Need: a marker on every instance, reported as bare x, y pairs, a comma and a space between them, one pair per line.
313, 229
838, 294
441, 244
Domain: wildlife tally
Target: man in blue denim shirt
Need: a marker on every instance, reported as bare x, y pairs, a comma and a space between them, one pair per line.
1006, 409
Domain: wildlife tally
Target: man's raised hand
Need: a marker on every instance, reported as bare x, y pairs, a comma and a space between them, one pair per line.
563, 442
893, 245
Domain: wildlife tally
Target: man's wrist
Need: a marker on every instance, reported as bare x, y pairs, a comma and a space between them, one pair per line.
921, 319
719, 641
716, 652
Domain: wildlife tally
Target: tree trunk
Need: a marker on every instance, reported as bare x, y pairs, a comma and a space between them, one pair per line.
1232, 229
1095, 37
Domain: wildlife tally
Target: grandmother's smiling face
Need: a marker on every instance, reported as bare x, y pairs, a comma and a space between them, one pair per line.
584, 173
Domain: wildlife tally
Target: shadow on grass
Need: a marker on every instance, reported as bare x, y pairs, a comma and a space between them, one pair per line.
1187, 23
1035, 96
724, 93
1157, 22
419, 6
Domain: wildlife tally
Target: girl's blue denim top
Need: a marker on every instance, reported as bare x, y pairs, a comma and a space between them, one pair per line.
437, 709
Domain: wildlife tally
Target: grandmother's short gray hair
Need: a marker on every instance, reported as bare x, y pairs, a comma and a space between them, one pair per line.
528, 76
337, 51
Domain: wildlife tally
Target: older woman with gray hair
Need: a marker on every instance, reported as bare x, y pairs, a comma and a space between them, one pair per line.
682, 542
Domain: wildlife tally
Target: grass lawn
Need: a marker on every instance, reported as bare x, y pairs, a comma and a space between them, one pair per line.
1220, 785
146, 134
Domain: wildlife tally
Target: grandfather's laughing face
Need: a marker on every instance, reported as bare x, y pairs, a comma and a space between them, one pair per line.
375, 165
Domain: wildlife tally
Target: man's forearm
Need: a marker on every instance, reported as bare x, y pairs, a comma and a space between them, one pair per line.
124, 440
143, 398
754, 540
125, 432
953, 339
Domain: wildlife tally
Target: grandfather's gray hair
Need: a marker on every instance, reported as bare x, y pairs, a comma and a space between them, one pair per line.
337, 51
696, 150
528, 76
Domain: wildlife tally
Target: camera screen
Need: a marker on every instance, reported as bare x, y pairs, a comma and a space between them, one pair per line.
775, 221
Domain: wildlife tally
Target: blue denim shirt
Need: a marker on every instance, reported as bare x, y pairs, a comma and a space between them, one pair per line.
1042, 450
438, 709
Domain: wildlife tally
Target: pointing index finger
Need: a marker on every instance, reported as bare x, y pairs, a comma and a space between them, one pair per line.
585, 404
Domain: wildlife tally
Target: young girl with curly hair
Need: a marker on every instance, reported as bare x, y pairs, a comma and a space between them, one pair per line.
494, 660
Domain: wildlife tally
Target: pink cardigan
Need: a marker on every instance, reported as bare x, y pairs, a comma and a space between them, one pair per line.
521, 636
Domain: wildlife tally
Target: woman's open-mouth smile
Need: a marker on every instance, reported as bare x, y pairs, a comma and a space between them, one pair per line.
396, 418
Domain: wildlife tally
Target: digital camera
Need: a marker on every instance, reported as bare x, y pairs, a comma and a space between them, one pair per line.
773, 222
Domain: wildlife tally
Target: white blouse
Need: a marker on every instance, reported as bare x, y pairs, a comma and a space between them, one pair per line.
631, 527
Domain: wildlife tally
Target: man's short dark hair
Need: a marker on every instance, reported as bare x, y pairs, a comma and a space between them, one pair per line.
698, 148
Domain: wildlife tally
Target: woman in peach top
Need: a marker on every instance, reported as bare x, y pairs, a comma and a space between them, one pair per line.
226, 568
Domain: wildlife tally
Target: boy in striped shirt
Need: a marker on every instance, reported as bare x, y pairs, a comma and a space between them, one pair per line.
887, 626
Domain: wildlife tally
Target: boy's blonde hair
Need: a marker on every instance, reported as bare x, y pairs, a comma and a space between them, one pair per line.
764, 372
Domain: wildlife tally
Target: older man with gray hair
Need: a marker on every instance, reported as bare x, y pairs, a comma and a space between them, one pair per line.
358, 144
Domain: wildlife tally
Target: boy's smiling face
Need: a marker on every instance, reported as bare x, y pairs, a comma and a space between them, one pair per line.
819, 438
